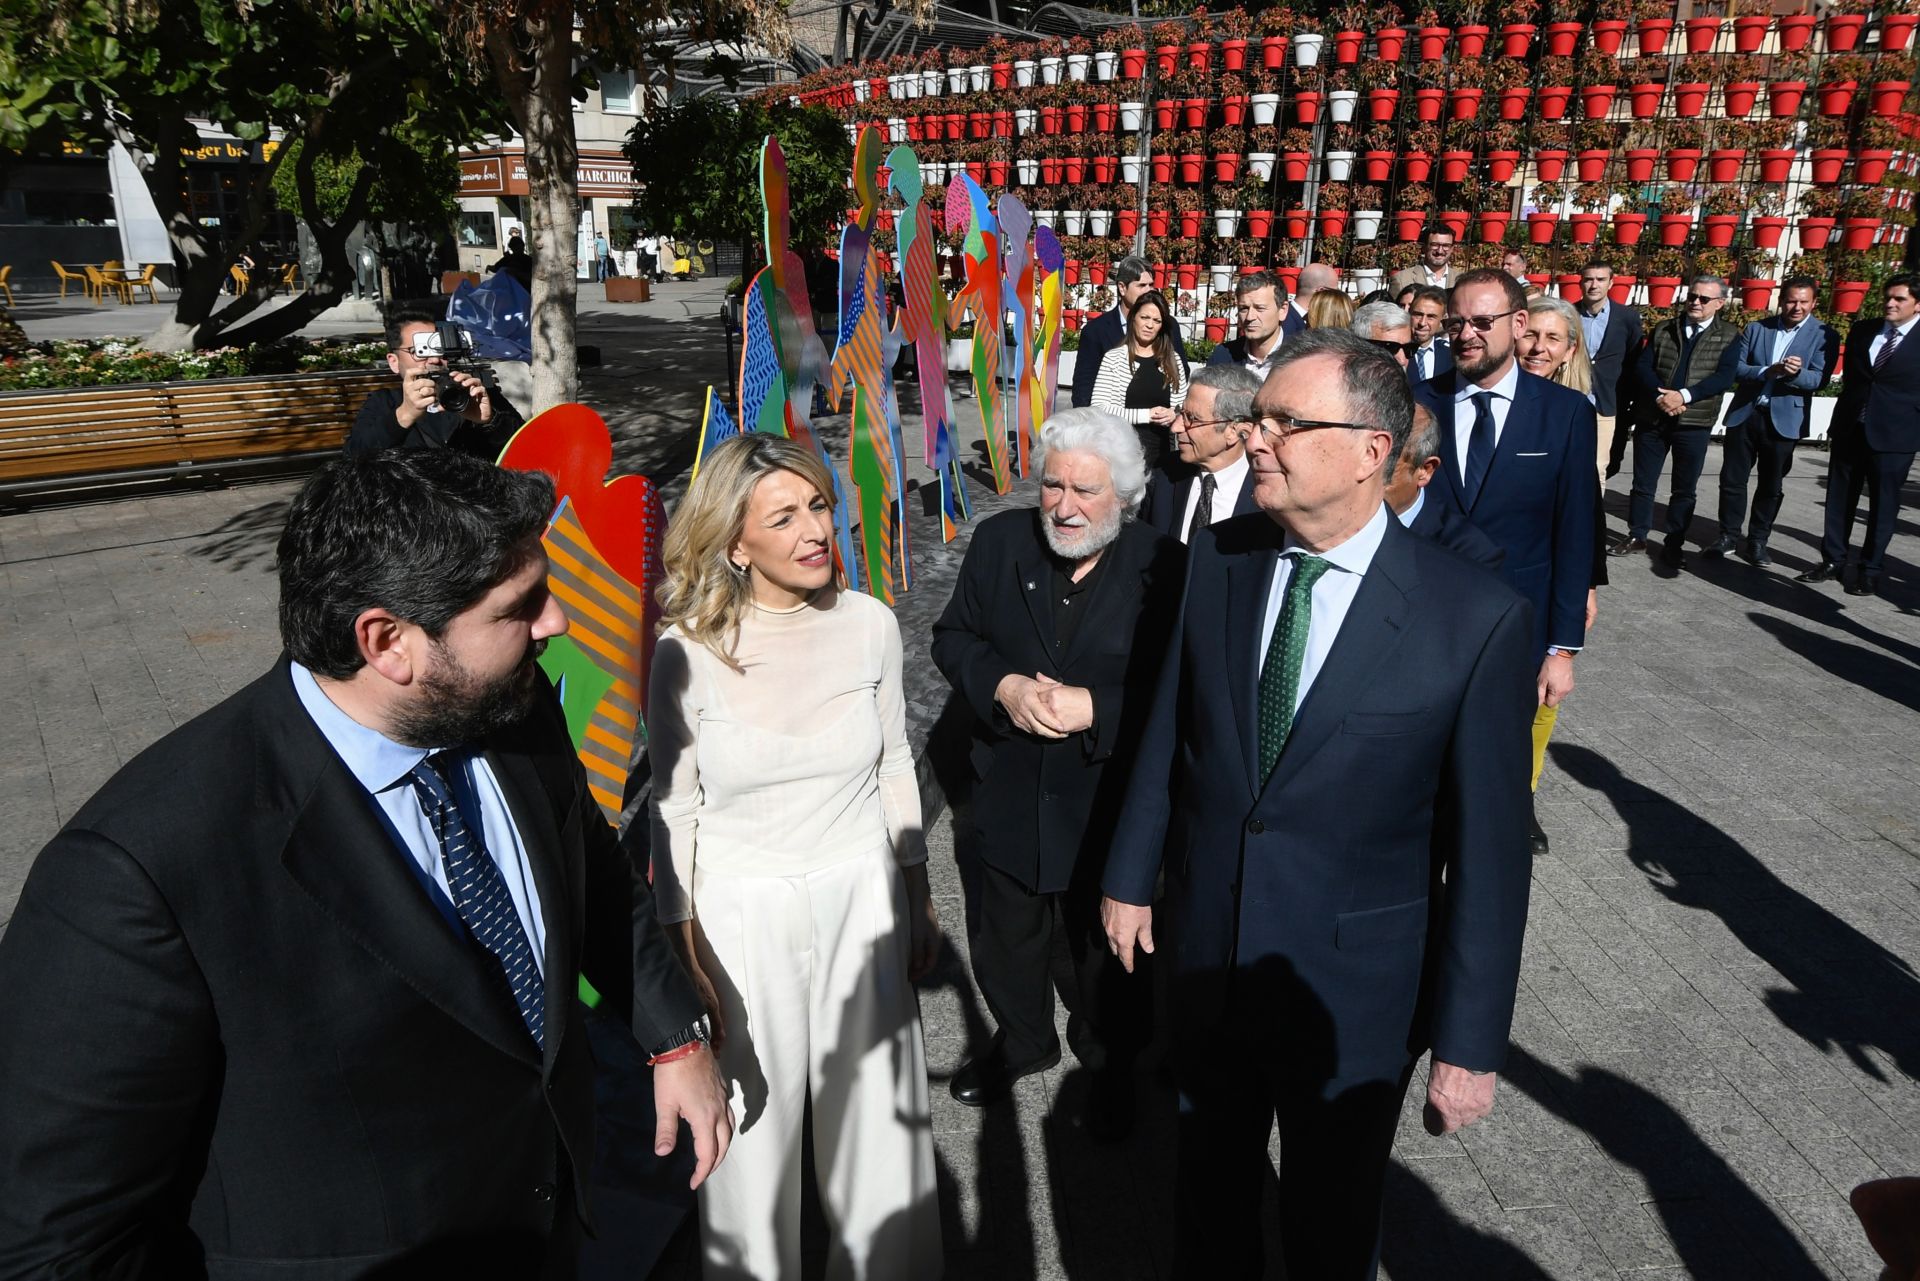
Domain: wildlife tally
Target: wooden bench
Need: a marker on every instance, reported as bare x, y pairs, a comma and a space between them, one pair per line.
82, 437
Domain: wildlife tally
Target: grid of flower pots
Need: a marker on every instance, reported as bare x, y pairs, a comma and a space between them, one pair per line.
1751, 146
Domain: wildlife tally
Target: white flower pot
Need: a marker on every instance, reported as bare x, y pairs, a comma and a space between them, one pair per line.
1339, 165
1132, 114
1306, 49
861, 90
1105, 64
929, 84
1024, 119
1340, 104
1098, 221
853, 135
1050, 70
1077, 64
1366, 280
1029, 171
1023, 73
1220, 276
1075, 221
1226, 223
1130, 167
1366, 223
980, 78
1260, 164
896, 129
909, 86
1046, 217
1266, 108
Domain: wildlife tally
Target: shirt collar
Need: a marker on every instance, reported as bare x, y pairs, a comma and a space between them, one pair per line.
1412, 513
1606, 305
1234, 471
1902, 329
1356, 554
374, 760
1509, 383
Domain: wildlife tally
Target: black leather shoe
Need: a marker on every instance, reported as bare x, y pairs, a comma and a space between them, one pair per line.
1672, 552
990, 1078
1536, 836
1865, 585
1725, 545
1755, 552
1628, 547
1820, 573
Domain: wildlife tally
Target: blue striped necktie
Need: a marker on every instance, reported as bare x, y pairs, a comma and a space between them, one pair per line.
480, 896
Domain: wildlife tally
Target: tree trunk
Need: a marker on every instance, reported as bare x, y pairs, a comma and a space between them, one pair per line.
335, 280
536, 76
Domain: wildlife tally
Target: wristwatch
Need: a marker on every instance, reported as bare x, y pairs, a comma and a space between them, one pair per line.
1559, 651
700, 1030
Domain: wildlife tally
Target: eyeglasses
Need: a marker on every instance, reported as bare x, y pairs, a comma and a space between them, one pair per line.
1279, 429
1454, 324
1181, 418
1391, 347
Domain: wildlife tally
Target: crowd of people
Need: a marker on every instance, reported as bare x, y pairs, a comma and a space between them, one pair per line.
1257, 694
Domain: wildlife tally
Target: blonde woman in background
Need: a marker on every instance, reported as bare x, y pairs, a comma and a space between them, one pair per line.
1554, 345
789, 868
1329, 309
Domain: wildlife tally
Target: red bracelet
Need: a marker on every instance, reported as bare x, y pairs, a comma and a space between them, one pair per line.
676, 1053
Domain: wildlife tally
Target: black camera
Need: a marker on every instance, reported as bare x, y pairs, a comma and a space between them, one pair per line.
448, 342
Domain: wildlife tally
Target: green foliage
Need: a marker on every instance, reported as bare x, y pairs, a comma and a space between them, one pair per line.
410, 184
700, 161
107, 361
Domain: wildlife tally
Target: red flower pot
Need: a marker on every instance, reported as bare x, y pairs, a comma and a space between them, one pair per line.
1857, 233
1051, 119
1561, 39
1501, 164
1381, 103
1514, 39
1200, 55
1167, 58
1071, 318
1050, 168
1216, 328
1455, 221
1161, 274
1106, 168
1827, 162
1127, 221
1454, 165
1640, 162
1748, 33
1377, 166
1569, 286
1775, 164
1836, 99
1551, 164
1273, 52
1724, 165
1756, 295
1552, 101
1739, 97
1896, 31
1003, 71
1226, 167
1433, 43
1719, 228
1290, 277
1767, 231
1294, 225
977, 170
1293, 166
1586, 228
1003, 120
1466, 103
1814, 233
1165, 112
1189, 275
1540, 227
1885, 97
1848, 295
1417, 166
1608, 34
1622, 290
1592, 164
1347, 44
1071, 269
1783, 97
1513, 102
1661, 289
1388, 43
1073, 169
1259, 223
1682, 162
1077, 117
1428, 103
1192, 166
1674, 229
1653, 36
1597, 100
1408, 224
1493, 225
1471, 40
1628, 226
1644, 99
1870, 166
997, 172
1194, 113
1689, 98
1233, 109
1701, 33
1160, 168
1233, 55
1191, 221
1843, 31
1306, 106
1333, 222
1133, 66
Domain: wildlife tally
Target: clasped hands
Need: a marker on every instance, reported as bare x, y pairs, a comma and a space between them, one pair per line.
1671, 403
1043, 707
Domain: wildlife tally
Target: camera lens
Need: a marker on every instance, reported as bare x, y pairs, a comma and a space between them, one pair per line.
451, 394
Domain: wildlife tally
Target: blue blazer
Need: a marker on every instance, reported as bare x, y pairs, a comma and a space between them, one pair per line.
1537, 501
1440, 521
1408, 760
1615, 364
1442, 360
1790, 400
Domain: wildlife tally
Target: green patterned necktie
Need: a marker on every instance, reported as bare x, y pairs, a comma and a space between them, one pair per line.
1286, 653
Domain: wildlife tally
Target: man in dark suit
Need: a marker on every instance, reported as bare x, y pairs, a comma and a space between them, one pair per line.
1781, 361
1431, 354
1612, 336
1265, 321
1685, 371
1322, 937
1875, 434
1210, 432
296, 992
1436, 520
410, 417
1517, 454
1052, 637
1132, 276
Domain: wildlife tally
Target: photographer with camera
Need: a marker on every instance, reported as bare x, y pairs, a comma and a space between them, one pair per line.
436, 406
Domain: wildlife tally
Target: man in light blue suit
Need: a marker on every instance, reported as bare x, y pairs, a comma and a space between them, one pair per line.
1782, 361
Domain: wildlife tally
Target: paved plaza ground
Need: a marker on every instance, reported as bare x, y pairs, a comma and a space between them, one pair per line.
1718, 1029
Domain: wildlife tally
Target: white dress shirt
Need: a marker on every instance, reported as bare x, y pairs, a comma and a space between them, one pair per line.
1412, 513
1332, 595
1463, 412
1424, 358
1228, 482
1880, 339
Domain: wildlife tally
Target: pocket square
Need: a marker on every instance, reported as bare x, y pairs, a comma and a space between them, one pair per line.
1536, 454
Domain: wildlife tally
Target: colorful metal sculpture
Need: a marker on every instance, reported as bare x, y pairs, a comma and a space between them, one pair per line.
716, 425
1047, 303
983, 299
923, 322
1023, 390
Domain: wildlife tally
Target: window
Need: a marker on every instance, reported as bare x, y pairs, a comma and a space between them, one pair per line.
476, 231
616, 92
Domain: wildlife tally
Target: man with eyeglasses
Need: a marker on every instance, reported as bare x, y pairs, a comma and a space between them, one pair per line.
1431, 354
1685, 372
1387, 326
1210, 431
1519, 455
1265, 321
1435, 267
1613, 338
1780, 363
1321, 647
1876, 432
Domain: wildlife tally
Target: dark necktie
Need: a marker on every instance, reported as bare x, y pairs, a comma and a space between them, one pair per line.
1479, 445
1286, 654
1688, 336
1202, 510
1886, 350
480, 896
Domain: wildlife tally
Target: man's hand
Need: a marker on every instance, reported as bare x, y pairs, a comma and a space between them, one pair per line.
691, 1089
1456, 1098
1788, 367
479, 409
1026, 706
1070, 706
416, 398
1556, 679
1593, 608
1127, 926
1670, 402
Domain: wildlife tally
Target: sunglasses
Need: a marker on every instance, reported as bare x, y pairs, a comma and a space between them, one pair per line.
1694, 298
1391, 347
1454, 324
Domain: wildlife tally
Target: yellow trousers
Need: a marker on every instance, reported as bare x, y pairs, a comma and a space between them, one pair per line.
1543, 719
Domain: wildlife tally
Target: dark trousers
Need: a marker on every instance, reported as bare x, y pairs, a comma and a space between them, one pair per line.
1753, 442
1334, 1145
1651, 445
1851, 467
1012, 962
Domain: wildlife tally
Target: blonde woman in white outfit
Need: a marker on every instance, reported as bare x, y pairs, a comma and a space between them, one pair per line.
790, 868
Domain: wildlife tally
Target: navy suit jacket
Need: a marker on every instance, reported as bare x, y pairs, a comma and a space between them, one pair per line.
1790, 400
1165, 505
1537, 500
1440, 521
1442, 360
1884, 405
1102, 334
1615, 363
1424, 705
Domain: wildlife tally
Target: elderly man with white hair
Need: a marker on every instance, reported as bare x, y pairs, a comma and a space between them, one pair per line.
1388, 326
1052, 638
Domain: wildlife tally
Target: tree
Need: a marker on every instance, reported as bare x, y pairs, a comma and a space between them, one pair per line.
339, 79
701, 161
